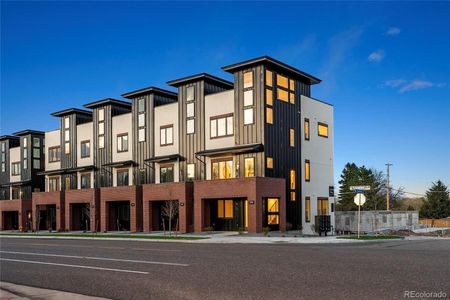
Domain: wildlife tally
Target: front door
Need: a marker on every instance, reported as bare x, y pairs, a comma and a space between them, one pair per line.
228, 214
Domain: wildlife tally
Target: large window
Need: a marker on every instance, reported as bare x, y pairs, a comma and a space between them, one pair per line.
85, 149
322, 129
222, 169
190, 109
101, 128
292, 137
306, 129
248, 98
15, 169
249, 164
307, 209
322, 206
166, 173
141, 119
221, 126
53, 184
225, 209
190, 174
86, 180
166, 135
122, 177
307, 170
273, 211
285, 89
122, 142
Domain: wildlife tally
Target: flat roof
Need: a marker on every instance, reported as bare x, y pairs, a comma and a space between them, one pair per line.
108, 101
202, 76
28, 131
8, 137
70, 111
150, 90
276, 65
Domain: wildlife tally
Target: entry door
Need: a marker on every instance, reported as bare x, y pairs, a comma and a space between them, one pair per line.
51, 216
229, 215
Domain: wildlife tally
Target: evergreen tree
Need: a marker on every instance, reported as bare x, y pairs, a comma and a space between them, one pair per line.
350, 176
437, 202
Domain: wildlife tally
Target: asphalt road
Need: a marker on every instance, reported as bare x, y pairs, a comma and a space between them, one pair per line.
153, 270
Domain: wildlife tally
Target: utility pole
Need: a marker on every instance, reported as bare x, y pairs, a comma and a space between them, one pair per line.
387, 186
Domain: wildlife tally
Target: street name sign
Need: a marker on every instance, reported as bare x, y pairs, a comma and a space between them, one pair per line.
360, 188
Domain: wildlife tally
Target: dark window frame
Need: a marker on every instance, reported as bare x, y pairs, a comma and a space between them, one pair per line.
308, 212
58, 157
218, 161
165, 128
307, 135
119, 138
81, 148
81, 180
216, 119
121, 171
318, 131
308, 178
166, 167
13, 169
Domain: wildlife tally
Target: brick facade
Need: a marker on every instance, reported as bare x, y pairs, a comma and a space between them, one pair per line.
86, 196
41, 199
22, 207
176, 191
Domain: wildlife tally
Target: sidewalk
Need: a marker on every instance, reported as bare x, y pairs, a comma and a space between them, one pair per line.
9, 291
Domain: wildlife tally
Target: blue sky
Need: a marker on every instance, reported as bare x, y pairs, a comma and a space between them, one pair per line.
385, 66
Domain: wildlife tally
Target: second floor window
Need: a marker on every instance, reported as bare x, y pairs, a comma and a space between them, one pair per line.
86, 181
122, 142
15, 193
54, 154
53, 184
166, 135
221, 126
306, 129
166, 174
85, 149
15, 169
307, 170
222, 169
190, 172
292, 137
249, 167
122, 177
322, 129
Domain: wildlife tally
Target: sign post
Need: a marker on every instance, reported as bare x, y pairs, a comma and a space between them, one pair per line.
359, 200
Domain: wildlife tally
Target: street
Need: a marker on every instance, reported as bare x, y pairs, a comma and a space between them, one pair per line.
156, 270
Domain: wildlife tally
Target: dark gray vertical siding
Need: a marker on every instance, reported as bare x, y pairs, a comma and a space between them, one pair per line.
103, 156
69, 160
5, 176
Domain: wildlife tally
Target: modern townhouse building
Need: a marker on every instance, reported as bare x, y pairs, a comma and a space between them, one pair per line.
243, 155
21, 158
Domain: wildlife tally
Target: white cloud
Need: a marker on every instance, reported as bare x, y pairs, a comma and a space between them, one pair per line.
376, 56
393, 31
411, 85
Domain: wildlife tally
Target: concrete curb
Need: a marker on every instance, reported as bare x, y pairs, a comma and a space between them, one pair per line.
15, 291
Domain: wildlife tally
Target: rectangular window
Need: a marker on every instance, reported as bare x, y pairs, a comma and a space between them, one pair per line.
282, 95
269, 115
101, 128
293, 197
322, 129
190, 110
101, 115
190, 126
322, 206
36, 142
269, 162
190, 172
15, 169
273, 210
225, 209
25, 142
307, 170
36, 153
66, 123
3, 146
221, 126
291, 137
25, 164
222, 169
3, 167
282, 81
66, 135
101, 142
291, 85
307, 209
141, 120
86, 181
85, 149
292, 179
141, 105
249, 164
248, 98
166, 135
67, 183
67, 148
36, 164
25, 152
122, 177
53, 184
15, 193
141, 135
166, 174
306, 129
292, 98
190, 93
268, 78
248, 79
248, 116
269, 97
122, 142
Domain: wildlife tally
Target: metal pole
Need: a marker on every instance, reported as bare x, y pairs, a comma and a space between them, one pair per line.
359, 213
387, 186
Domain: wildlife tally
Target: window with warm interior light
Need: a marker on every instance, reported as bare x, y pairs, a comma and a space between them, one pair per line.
322, 129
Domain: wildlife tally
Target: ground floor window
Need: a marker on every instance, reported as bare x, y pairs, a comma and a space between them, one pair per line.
273, 211
53, 184
307, 209
166, 173
225, 208
322, 206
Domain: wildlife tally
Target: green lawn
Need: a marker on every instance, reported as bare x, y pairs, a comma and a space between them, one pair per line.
114, 236
371, 237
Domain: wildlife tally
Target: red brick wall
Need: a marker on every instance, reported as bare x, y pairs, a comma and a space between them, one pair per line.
21, 206
49, 198
91, 196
